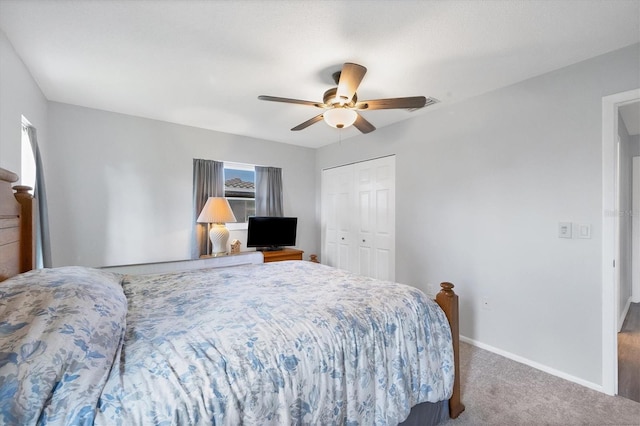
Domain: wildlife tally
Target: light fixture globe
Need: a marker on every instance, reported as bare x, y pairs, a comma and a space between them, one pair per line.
340, 117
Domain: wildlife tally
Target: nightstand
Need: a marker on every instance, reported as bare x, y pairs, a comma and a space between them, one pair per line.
284, 254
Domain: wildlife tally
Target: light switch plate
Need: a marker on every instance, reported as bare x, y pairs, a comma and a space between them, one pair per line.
584, 230
564, 230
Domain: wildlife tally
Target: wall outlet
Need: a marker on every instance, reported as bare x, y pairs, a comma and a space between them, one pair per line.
486, 305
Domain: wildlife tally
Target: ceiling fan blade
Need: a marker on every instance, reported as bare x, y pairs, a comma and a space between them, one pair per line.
290, 101
363, 125
413, 102
350, 78
308, 123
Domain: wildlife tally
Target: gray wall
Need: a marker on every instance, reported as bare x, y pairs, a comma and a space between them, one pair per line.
19, 95
120, 187
481, 188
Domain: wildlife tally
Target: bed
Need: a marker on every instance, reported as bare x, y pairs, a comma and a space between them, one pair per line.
289, 342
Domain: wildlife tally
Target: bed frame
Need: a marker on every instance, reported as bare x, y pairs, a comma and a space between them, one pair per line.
17, 256
16, 227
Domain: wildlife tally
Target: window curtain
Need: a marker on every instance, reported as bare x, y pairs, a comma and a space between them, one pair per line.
208, 181
42, 242
269, 191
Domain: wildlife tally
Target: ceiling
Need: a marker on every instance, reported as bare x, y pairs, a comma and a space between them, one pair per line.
204, 63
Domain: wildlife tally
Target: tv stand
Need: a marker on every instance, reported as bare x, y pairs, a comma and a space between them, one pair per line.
284, 254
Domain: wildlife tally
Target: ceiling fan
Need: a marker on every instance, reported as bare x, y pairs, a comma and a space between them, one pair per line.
341, 105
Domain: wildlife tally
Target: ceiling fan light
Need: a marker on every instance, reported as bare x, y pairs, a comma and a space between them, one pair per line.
340, 118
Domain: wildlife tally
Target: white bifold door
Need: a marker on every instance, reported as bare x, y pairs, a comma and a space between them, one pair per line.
358, 218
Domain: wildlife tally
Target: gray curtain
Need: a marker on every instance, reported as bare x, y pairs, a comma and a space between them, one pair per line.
208, 181
43, 242
269, 191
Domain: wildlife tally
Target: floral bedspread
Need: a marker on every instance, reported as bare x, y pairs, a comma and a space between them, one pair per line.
278, 343
60, 332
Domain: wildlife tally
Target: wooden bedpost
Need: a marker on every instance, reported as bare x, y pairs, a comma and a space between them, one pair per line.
448, 301
27, 246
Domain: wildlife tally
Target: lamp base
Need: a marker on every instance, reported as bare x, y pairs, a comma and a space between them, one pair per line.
219, 236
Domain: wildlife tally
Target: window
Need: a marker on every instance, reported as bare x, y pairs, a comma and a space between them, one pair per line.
240, 190
28, 159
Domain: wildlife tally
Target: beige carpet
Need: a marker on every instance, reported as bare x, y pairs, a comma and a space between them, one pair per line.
499, 391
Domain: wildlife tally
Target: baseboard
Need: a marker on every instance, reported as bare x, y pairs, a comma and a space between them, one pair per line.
533, 364
623, 314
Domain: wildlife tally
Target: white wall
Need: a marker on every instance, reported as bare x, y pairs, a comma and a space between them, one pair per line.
120, 187
19, 95
481, 187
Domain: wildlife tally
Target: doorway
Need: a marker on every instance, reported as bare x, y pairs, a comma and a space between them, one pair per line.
629, 293
611, 237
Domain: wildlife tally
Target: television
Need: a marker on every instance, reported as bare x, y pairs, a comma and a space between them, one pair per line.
271, 233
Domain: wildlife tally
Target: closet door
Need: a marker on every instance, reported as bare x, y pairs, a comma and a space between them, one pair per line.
337, 188
358, 218
375, 224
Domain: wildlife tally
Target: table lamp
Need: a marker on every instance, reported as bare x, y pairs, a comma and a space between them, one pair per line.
217, 212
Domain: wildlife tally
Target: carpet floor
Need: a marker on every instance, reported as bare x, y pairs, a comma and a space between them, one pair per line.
499, 391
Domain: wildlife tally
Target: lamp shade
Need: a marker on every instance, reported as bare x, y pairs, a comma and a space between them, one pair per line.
216, 210
340, 117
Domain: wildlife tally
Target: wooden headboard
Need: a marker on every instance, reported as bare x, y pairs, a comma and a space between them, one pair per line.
16, 227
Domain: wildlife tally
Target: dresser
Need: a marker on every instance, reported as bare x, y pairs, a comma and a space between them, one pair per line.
284, 254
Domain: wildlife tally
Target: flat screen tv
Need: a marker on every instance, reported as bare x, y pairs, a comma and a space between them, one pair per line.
271, 233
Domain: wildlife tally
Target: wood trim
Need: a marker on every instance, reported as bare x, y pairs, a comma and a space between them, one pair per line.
448, 301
